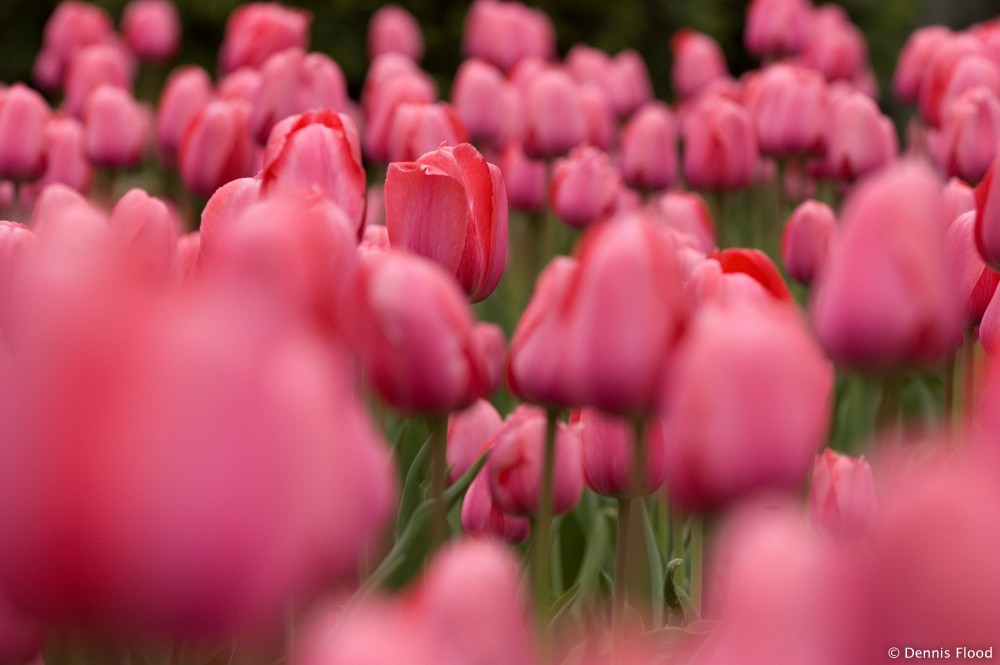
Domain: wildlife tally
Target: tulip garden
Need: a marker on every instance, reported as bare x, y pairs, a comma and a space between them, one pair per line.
529, 368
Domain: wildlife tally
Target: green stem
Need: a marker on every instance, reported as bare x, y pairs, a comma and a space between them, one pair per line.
968, 373
438, 426
637, 564
541, 548
621, 571
697, 544
888, 406
717, 198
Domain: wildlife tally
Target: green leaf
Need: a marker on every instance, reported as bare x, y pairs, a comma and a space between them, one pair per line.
598, 547
563, 603
671, 592
656, 572
411, 493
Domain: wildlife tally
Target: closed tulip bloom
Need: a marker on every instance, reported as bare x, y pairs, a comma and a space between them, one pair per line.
90, 69
420, 128
842, 494
789, 108
958, 198
242, 84
687, 214
600, 329
481, 516
945, 60
258, 30
585, 187
707, 283
913, 59
225, 207
776, 27
152, 29
451, 206
600, 116
405, 87
720, 146
293, 82
115, 128
478, 99
392, 29
516, 464
966, 143
592, 67
756, 264
888, 295
187, 91
806, 240
505, 33
607, 447
469, 433
967, 72
835, 47
860, 140
747, 404
648, 155
698, 60
317, 151
147, 230
977, 281
415, 334
526, 179
554, 117
633, 86
72, 27
216, 147
23, 121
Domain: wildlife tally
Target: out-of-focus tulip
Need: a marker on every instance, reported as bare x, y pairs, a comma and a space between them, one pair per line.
469, 432
599, 115
977, 281
392, 29
72, 27
776, 27
258, 30
415, 334
966, 143
482, 517
592, 67
607, 450
585, 187
958, 198
834, 47
421, 128
698, 60
152, 29
18, 249
720, 146
633, 86
806, 239
516, 464
600, 329
860, 140
687, 214
912, 64
741, 372
115, 128
506, 33
187, 91
188, 256
524, 178
225, 208
318, 151
707, 282
842, 496
756, 264
451, 206
407, 86
956, 64
478, 99
888, 294
293, 82
148, 232
23, 119
241, 85
647, 158
554, 118
789, 108
90, 69
216, 147
20, 637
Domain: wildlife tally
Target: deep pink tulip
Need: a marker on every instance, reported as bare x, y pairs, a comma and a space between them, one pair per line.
72, 27
687, 214
599, 115
585, 187
648, 155
469, 432
842, 495
888, 294
607, 447
913, 59
392, 29
720, 146
481, 516
384, 98
451, 206
600, 329
90, 69
977, 281
789, 109
21, 638
148, 231
115, 128
633, 86
834, 47
554, 117
152, 29
318, 151
806, 240
698, 60
294, 82
776, 27
505, 33
216, 147
478, 99
860, 140
525, 179
955, 64
743, 367
187, 91
415, 334
24, 116
417, 129
966, 143
516, 464
258, 30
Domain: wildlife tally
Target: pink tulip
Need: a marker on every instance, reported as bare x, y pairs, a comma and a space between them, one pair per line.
524, 178
633, 86
720, 146
421, 128
958, 198
225, 208
242, 84
148, 231
317, 151
687, 214
888, 294
600, 329
505, 33
977, 281
416, 337
450, 206
698, 60
756, 264
187, 91
72, 27
24, 116
776, 27
381, 100
477, 96
216, 147
955, 64
115, 128
592, 67
294, 82
188, 256
916, 54
806, 239
152, 29
469, 432
966, 144
258, 30
707, 283
743, 367
860, 140
554, 116
90, 69
585, 187
516, 464
18, 250
481, 516
648, 156
835, 47
608, 447
392, 29
789, 108
599, 116
842, 497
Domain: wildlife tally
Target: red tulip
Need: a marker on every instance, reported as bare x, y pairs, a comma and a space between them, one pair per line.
90, 69
72, 27
806, 239
421, 128
115, 128
24, 116
554, 116
756, 264
698, 60
505, 33
917, 52
152, 29
392, 29
842, 497
608, 447
187, 91
450, 205
776, 27
216, 147
720, 146
648, 156
258, 30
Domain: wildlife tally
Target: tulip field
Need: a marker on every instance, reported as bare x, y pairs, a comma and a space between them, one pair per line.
514, 364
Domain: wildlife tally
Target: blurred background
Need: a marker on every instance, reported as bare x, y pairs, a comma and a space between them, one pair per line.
646, 25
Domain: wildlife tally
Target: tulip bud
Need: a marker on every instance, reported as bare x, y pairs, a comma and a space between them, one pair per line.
225, 208
555, 120
421, 128
860, 140
478, 99
687, 214
958, 198
240, 85
648, 155
148, 232
633, 87
963, 72
842, 498
481, 517
469, 432
608, 448
23, 119
152, 29
776, 27
698, 60
392, 29
585, 187
216, 147
835, 47
382, 98
115, 128
789, 108
756, 264
720, 146
72, 27
524, 178
918, 50
90, 69
966, 143
258, 30
599, 115
505, 33
187, 91
806, 239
